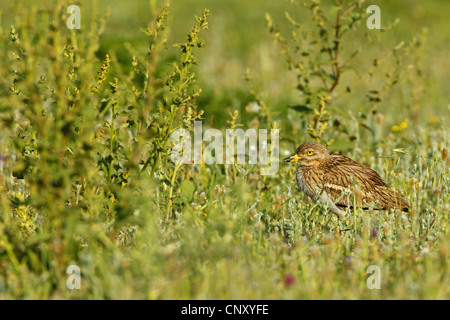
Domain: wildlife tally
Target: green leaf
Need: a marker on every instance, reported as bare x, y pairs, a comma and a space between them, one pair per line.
301, 108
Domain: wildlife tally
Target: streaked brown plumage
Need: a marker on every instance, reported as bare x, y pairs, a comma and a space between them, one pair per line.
340, 182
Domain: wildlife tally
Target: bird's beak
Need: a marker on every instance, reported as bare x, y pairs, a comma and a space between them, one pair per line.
294, 158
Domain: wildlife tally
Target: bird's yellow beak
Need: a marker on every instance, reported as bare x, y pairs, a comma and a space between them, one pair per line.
294, 158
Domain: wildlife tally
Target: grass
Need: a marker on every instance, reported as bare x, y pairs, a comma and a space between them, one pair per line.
85, 175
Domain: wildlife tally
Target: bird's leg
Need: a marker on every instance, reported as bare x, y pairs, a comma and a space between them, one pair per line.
325, 200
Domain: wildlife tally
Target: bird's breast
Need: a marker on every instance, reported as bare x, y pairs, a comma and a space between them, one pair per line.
305, 182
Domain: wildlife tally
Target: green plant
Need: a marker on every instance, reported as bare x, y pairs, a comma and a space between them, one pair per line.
315, 52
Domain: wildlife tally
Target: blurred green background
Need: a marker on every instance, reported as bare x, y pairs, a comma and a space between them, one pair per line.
239, 39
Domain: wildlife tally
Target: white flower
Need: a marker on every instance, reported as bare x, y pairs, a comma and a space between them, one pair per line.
253, 107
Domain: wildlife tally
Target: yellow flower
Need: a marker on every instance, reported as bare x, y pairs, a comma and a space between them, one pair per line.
433, 120
403, 125
395, 128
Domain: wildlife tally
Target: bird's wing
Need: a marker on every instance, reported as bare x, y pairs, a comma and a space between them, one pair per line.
346, 180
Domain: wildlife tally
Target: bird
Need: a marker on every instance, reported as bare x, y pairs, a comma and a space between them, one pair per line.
339, 182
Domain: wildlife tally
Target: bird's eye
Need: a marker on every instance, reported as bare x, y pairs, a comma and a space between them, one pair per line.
310, 153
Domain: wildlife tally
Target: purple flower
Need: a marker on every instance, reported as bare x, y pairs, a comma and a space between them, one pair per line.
289, 279
373, 233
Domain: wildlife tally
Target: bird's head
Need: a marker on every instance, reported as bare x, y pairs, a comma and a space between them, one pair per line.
309, 154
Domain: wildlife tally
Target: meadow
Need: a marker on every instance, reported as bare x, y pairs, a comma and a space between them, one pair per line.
86, 178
